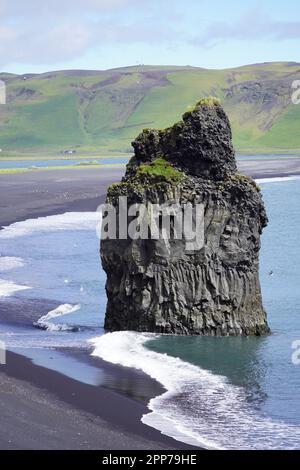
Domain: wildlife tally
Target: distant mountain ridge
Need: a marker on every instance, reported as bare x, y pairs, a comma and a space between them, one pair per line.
103, 111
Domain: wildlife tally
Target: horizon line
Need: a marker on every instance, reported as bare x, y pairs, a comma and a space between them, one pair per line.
288, 62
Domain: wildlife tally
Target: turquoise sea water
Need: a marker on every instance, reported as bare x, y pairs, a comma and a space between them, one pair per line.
262, 365
220, 392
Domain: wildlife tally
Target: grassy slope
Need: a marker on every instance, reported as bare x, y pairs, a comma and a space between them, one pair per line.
104, 111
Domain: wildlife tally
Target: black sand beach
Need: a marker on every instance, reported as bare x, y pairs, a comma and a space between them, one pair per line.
42, 193
262, 167
41, 408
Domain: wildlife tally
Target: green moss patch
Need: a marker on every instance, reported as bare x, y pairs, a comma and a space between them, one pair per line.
160, 170
209, 101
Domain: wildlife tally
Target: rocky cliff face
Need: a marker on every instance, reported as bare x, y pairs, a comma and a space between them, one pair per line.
159, 285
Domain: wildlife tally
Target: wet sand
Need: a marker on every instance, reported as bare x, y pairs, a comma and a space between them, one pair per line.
41, 193
270, 168
43, 409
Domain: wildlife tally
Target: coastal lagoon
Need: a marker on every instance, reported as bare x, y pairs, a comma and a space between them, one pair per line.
219, 392
6, 164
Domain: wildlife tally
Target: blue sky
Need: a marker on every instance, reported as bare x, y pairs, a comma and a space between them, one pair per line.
38, 36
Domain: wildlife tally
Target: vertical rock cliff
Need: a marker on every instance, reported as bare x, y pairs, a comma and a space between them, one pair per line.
159, 285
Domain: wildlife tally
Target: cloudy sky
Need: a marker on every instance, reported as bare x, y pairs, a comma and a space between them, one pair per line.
37, 36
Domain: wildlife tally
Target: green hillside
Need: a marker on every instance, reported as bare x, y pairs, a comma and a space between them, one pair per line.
102, 111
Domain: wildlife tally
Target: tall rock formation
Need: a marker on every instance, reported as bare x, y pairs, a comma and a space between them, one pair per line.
159, 285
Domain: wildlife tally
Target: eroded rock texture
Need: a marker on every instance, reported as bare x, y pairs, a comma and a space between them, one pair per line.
159, 286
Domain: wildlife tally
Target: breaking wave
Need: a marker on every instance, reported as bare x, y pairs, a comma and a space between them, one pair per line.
45, 324
277, 179
8, 288
66, 221
8, 263
198, 407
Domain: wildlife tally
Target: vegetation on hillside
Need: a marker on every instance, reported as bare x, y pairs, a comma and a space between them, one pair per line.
104, 111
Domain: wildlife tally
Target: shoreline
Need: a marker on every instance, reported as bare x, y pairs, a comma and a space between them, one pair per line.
12, 171
40, 194
255, 166
47, 404
119, 414
84, 154
32, 195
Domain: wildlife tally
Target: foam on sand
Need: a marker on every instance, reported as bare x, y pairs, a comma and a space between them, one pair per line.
45, 324
8, 263
66, 221
198, 407
8, 288
278, 179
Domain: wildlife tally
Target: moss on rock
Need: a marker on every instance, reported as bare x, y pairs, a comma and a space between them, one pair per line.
160, 170
209, 101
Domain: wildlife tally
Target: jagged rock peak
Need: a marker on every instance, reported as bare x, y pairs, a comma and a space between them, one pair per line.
159, 284
200, 144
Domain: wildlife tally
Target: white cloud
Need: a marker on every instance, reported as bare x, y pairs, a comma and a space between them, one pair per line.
36, 8
49, 32
38, 32
255, 25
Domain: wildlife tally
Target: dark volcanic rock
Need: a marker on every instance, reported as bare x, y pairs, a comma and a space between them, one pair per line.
200, 144
158, 285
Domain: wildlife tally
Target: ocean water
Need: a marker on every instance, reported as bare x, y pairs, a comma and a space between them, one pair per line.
219, 392
52, 260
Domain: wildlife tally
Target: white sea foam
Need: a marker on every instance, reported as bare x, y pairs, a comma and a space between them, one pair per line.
198, 407
66, 221
25, 338
8, 288
64, 309
278, 179
8, 263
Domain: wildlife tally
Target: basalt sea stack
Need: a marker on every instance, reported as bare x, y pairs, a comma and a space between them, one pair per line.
159, 285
